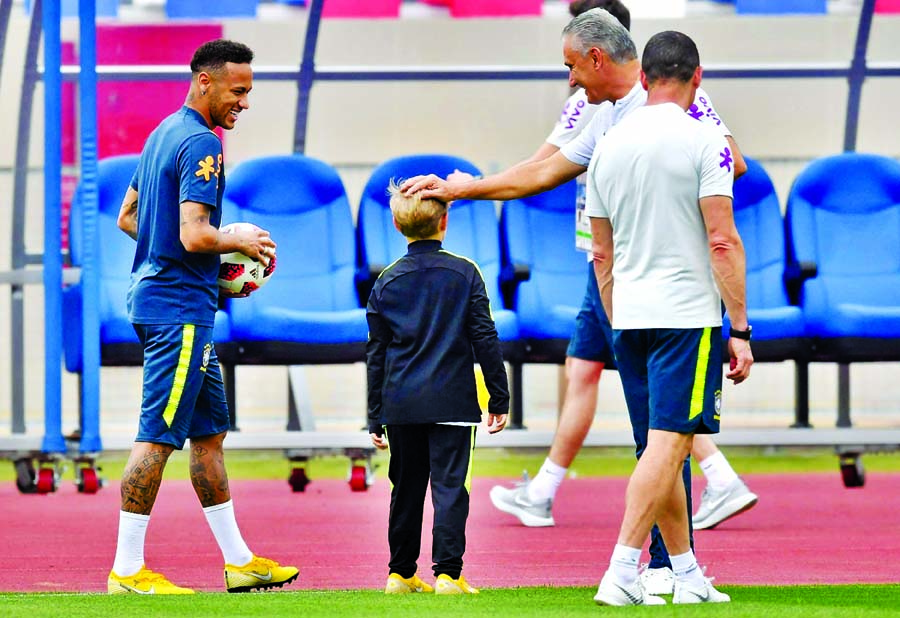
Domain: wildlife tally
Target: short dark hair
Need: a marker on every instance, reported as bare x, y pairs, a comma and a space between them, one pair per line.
615, 7
212, 55
670, 55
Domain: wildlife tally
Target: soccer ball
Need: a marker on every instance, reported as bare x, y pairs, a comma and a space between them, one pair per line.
240, 275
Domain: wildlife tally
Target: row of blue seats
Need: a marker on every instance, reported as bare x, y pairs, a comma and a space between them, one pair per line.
823, 280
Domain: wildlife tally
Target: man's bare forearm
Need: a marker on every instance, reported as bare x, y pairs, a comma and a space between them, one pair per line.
521, 180
729, 270
602, 254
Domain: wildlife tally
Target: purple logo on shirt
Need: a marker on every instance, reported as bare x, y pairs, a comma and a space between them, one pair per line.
570, 113
694, 112
697, 112
726, 159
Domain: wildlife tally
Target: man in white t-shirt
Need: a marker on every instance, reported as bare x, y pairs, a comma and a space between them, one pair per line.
590, 351
603, 61
667, 255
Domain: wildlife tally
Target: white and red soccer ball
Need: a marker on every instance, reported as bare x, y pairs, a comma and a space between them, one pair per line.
240, 275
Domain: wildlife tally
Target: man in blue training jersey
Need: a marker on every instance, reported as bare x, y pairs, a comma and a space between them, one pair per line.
173, 210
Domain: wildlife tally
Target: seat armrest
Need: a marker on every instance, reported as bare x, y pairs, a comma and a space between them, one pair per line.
794, 277
365, 281
511, 276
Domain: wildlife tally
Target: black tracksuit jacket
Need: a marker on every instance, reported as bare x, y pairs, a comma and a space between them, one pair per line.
429, 322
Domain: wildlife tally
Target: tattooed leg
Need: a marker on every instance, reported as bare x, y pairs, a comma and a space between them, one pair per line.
142, 476
208, 470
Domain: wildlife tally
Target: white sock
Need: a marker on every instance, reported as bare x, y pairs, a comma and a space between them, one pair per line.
685, 567
548, 479
130, 544
718, 472
220, 518
624, 564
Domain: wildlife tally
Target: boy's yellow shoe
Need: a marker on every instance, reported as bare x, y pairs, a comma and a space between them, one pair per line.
144, 581
447, 585
401, 585
258, 574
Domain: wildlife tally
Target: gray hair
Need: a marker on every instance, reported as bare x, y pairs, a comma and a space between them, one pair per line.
598, 28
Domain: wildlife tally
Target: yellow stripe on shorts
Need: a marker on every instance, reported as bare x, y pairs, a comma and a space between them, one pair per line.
184, 363
468, 483
700, 374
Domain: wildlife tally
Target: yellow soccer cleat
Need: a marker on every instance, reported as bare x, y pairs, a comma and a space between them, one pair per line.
447, 585
401, 585
144, 581
258, 574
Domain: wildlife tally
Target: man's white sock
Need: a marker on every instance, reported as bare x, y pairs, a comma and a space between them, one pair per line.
719, 473
130, 543
686, 568
624, 564
544, 485
224, 527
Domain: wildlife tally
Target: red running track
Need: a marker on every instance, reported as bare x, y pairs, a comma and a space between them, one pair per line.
806, 529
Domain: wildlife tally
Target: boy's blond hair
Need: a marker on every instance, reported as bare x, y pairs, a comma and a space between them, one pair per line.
416, 218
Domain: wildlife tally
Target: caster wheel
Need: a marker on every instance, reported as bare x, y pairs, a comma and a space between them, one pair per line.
89, 482
852, 472
25, 476
298, 479
359, 478
46, 481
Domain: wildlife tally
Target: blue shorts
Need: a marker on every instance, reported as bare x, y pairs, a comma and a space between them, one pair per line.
672, 378
592, 339
184, 395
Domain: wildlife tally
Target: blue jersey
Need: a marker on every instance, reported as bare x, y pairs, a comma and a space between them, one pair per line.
181, 161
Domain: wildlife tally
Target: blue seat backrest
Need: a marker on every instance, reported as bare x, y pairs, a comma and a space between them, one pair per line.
472, 230
195, 9
378, 242
843, 214
539, 232
301, 201
757, 214
114, 249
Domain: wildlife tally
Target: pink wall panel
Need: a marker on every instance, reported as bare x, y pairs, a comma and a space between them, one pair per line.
129, 111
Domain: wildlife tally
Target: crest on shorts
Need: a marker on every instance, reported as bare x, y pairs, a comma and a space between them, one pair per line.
718, 402
207, 352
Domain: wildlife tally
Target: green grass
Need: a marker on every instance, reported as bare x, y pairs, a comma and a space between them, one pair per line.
509, 463
748, 602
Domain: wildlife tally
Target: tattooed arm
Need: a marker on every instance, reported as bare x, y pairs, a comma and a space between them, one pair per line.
127, 220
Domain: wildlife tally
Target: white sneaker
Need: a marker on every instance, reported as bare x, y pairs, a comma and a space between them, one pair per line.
717, 506
687, 591
658, 581
515, 502
611, 593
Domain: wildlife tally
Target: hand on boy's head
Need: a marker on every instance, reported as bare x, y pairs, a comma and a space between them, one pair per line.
496, 422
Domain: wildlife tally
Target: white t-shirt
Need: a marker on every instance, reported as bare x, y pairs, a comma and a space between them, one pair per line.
647, 177
581, 149
576, 115
582, 124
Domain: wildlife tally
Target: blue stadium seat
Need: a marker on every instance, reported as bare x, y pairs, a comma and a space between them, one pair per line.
309, 311
472, 232
196, 9
543, 272
115, 254
843, 217
779, 331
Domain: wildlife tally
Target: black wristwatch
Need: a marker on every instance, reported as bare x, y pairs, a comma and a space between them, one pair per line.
741, 334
